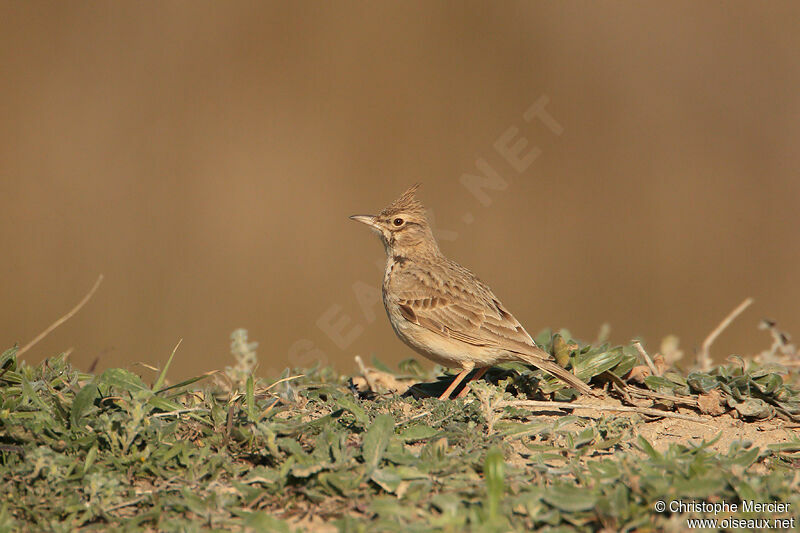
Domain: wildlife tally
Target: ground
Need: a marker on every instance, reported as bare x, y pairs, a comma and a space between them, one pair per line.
377, 451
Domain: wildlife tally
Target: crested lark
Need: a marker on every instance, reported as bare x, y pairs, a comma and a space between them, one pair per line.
440, 309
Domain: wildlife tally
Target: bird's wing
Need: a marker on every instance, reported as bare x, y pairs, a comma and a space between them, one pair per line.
460, 306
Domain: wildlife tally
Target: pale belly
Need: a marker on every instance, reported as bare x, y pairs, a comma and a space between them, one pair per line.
440, 349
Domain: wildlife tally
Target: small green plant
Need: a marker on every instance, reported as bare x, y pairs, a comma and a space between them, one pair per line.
307, 452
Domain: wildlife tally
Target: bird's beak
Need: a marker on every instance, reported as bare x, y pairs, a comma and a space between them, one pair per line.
369, 220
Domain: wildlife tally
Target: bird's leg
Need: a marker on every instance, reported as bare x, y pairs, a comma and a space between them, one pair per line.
476, 377
446, 394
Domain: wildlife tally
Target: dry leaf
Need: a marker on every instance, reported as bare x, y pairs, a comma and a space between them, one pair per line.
710, 403
638, 373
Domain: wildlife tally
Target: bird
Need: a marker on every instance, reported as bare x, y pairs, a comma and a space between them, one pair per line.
441, 309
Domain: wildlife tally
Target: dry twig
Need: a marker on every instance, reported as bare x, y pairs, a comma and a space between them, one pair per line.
415, 417
63, 319
363, 369
650, 395
624, 409
703, 357
646, 358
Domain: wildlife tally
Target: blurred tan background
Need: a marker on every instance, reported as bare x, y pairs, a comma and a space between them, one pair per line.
205, 157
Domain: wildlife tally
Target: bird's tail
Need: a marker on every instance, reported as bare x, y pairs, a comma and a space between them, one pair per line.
552, 368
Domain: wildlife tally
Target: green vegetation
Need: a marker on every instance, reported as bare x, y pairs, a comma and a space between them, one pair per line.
318, 451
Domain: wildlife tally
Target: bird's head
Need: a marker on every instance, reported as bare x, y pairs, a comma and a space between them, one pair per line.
403, 227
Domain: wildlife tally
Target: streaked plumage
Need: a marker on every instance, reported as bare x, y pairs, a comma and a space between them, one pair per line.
441, 309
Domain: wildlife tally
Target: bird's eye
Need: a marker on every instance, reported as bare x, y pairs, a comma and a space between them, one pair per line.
398, 222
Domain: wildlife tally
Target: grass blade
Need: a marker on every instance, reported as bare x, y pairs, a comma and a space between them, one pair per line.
163, 375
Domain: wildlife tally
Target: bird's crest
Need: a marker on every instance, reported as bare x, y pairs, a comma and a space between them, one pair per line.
407, 203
